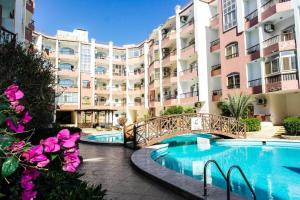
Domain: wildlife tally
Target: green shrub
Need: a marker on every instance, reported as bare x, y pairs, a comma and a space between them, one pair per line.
292, 125
189, 110
253, 124
173, 110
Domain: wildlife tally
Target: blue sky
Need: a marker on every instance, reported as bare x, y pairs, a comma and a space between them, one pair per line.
120, 21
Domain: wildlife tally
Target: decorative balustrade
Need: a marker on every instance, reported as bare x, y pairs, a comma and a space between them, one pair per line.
255, 82
189, 94
271, 3
153, 130
279, 38
253, 49
251, 15
6, 35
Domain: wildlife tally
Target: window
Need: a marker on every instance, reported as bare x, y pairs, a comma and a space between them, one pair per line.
133, 53
86, 100
66, 66
233, 80
100, 70
86, 84
100, 55
85, 58
68, 98
229, 14
289, 61
66, 83
67, 51
232, 50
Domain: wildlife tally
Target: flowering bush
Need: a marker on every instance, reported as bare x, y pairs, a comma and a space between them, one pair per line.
21, 159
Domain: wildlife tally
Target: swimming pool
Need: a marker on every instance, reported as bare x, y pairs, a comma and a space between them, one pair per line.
272, 168
116, 137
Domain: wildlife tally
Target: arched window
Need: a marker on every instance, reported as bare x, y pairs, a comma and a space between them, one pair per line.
66, 66
233, 80
232, 50
67, 51
100, 70
66, 82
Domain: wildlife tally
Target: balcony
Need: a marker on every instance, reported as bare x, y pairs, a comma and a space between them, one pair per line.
30, 6
216, 95
283, 42
286, 81
154, 103
68, 56
170, 100
67, 88
255, 86
254, 52
233, 86
6, 36
215, 45
216, 70
67, 72
187, 28
214, 21
189, 74
275, 6
189, 98
251, 19
102, 105
169, 58
28, 34
136, 90
119, 76
168, 39
102, 75
188, 52
136, 105
136, 75
102, 90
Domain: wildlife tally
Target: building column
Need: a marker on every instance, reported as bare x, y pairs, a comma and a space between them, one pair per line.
178, 52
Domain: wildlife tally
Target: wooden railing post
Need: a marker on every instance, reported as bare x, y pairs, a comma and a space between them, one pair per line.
134, 136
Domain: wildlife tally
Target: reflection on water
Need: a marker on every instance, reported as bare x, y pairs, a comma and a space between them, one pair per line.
272, 171
108, 138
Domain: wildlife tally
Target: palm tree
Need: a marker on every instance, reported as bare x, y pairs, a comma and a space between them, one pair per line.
238, 105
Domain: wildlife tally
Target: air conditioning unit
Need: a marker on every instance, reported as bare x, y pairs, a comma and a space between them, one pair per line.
269, 27
261, 101
184, 19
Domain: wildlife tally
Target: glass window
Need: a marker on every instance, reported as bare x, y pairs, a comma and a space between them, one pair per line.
100, 70
229, 14
232, 50
86, 100
69, 97
286, 63
85, 58
66, 82
66, 66
86, 84
67, 51
133, 53
233, 80
268, 67
275, 65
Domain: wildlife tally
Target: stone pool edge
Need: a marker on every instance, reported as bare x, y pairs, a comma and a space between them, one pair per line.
184, 185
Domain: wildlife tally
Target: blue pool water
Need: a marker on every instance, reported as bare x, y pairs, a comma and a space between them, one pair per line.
108, 138
272, 169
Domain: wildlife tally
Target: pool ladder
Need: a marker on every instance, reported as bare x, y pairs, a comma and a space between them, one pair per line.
226, 178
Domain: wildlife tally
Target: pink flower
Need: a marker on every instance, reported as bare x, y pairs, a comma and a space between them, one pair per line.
13, 93
16, 146
26, 118
34, 155
50, 144
71, 161
12, 126
67, 140
19, 108
28, 176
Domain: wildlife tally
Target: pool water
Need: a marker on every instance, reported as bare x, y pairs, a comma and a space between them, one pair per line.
108, 137
272, 169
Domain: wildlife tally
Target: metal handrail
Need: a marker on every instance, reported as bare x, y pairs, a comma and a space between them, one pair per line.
205, 169
244, 177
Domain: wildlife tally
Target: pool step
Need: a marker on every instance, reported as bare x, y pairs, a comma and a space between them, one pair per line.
281, 131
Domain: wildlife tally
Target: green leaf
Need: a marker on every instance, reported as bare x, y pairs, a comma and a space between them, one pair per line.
53, 156
2, 118
5, 141
2, 195
4, 106
9, 166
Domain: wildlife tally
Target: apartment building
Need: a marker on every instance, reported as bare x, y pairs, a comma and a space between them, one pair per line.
16, 20
207, 50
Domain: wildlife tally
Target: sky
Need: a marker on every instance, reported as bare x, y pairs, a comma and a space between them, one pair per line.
120, 21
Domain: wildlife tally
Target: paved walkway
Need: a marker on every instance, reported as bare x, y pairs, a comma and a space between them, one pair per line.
110, 166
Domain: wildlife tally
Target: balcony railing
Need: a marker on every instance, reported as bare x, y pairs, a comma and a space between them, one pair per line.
191, 22
281, 77
215, 42
279, 38
190, 70
189, 94
255, 82
6, 35
192, 44
271, 3
214, 17
168, 97
216, 67
217, 92
251, 15
232, 55
253, 49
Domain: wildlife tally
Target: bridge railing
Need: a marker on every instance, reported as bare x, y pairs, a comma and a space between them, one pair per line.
151, 131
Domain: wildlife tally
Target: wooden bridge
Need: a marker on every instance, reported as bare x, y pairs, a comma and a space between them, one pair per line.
153, 130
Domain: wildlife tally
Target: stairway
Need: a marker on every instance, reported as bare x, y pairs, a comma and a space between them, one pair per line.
281, 131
